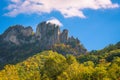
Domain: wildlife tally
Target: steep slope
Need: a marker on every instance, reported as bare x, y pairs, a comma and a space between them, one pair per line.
18, 42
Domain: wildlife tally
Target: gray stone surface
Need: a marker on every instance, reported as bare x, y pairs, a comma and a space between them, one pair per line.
46, 35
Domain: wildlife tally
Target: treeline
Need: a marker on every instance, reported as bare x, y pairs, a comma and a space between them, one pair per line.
49, 65
108, 53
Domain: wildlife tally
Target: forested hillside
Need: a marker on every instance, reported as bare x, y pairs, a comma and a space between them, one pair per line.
18, 43
49, 65
59, 39
108, 53
49, 54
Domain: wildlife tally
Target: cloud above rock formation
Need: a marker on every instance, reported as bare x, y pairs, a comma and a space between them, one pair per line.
54, 21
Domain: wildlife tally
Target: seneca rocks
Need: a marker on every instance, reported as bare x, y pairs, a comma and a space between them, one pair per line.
46, 36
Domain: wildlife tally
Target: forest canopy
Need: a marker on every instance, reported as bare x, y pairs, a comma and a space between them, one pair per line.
49, 65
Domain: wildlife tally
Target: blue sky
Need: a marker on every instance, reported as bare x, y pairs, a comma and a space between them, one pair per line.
96, 24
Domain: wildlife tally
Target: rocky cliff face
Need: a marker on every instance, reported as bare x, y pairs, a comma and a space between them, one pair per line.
18, 34
45, 37
18, 42
48, 34
64, 36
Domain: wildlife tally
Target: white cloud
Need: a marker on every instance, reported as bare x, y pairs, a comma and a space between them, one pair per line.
68, 8
15, 1
55, 21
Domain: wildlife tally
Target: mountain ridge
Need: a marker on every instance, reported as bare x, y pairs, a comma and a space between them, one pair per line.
18, 42
47, 34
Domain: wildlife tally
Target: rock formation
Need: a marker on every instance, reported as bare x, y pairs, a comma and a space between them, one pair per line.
17, 34
46, 36
18, 42
64, 36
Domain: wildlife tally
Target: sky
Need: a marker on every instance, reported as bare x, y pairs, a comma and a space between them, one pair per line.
96, 23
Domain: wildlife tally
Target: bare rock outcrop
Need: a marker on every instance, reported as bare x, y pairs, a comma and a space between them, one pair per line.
64, 36
45, 37
17, 34
47, 34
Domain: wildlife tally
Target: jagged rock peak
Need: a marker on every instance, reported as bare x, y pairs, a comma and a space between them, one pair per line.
64, 36
26, 31
46, 27
46, 36
48, 33
16, 34
49, 24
